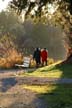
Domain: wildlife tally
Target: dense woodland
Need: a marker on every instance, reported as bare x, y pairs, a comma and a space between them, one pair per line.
40, 9
27, 36
27, 24
62, 14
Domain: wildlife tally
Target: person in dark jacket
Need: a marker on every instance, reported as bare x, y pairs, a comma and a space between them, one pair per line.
37, 56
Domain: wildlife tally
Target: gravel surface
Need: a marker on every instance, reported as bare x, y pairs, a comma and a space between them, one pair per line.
12, 95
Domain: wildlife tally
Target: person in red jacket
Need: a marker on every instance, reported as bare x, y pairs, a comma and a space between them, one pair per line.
44, 56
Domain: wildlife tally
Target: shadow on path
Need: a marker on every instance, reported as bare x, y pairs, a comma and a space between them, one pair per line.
7, 83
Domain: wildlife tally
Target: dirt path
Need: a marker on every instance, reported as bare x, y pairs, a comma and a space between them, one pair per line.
11, 75
20, 98
13, 96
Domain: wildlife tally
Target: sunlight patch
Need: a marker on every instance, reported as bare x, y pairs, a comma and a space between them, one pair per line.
40, 89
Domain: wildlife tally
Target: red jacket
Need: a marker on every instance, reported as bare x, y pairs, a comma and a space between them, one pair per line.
44, 55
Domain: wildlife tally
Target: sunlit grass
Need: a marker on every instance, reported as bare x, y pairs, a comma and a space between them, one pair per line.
40, 88
52, 74
52, 71
45, 72
56, 74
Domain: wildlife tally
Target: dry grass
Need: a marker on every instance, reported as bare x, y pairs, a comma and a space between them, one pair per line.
8, 52
12, 58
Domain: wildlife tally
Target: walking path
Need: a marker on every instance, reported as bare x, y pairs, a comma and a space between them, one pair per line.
43, 80
13, 74
13, 96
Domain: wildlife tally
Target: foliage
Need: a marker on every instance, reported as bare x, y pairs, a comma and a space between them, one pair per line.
31, 4
41, 35
50, 61
62, 9
5, 45
10, 24
38, 10
9, 55
27, 36
7, 21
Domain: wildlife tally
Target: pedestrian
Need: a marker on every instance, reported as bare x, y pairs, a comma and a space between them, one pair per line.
44, 56
36, 56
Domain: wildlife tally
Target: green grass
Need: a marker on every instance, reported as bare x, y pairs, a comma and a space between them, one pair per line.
61, 97
56, 96
55, 71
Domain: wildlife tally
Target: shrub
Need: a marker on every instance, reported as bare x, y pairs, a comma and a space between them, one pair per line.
9, 54
50, 61
10, 60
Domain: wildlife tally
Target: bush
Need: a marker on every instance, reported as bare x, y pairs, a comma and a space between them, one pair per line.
10, 61
8, 52
50, 61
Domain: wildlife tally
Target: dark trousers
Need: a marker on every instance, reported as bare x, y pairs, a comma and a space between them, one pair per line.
38, 62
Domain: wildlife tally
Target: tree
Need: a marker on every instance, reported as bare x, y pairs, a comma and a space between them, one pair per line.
10, 24
40, 9
31, 4
7, 21
9, 55
41, 35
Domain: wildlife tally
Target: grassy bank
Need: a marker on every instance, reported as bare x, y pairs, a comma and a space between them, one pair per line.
54, 70
56, 96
